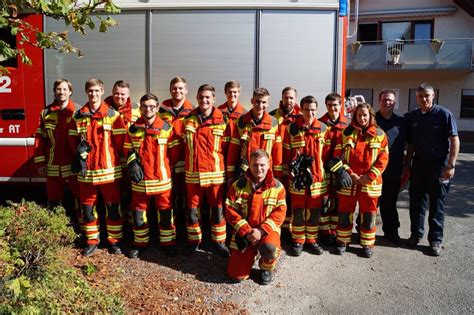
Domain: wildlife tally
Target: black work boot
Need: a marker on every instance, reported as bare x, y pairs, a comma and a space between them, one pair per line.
89, 250
190, 249
435, 248
115, 249
134, 253
220, 249
341, 248
297, 249
170, 250
314, 248
367, 251
266, 277
413, 241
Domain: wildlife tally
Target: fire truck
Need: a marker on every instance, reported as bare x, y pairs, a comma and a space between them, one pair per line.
269, 44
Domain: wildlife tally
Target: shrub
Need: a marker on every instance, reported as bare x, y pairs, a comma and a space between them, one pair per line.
35, 276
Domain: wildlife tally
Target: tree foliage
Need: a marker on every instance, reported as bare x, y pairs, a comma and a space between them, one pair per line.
79, 14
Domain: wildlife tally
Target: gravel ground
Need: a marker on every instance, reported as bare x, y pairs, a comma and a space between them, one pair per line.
394, 280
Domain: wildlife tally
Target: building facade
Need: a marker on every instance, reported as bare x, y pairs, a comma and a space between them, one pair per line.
400, 44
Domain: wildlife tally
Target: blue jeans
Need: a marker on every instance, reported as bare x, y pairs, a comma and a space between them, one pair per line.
426, 188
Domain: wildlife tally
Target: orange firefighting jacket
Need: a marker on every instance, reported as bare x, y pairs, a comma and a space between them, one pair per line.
176, 120
363, 153
204, 148
154, 146
231, 117
104, 131
249, 136
285, 119
311, 141
248, 207
283, 122
335, 130
130, 112
51, 140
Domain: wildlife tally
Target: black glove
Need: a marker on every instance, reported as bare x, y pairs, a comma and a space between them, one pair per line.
344, 179
300, 169
325, 205
79, 164
241, 242
75, 165
135, 171
242, 168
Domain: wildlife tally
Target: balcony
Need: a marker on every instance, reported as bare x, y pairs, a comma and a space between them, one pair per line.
445, 54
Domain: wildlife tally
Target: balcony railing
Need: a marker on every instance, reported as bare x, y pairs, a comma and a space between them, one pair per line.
446, 54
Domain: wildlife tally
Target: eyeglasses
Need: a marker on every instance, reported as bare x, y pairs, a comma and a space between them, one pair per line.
149, 107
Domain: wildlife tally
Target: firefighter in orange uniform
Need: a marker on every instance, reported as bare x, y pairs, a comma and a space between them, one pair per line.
149, 145
204, 148
120, 101
305, 154
363, 152
256, 129
287, 112
255, 208
50, 140
96, 136
174, 111
232, 109
336, 122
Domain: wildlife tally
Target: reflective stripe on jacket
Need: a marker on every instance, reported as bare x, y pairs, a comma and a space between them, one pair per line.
363, 153
104, 131
51, 148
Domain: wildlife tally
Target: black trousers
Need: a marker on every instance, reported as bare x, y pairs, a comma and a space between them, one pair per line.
388, 206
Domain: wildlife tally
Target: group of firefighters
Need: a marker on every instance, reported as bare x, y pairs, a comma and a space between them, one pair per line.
245, 168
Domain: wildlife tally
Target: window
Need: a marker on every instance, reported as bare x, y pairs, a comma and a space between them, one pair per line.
467, 104
396, 30
367, 32
10, 39
412, 99
423, 30
399, 30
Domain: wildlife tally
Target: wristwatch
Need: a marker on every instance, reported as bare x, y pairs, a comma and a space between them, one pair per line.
449, 167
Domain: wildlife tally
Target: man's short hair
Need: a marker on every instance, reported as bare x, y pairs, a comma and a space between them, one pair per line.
177, 80
207, 87
333, 97
308, 100
260, 92
121, 84
387, 91
92, 82
58, 82
259, 153
148, 97
231, 84
423, 87
288, 88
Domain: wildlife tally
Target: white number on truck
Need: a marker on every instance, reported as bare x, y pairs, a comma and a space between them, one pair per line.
5, 84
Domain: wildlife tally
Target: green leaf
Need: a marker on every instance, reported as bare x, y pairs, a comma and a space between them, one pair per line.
15, 286
91, 24
110, 7
103, 26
